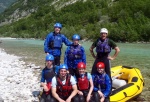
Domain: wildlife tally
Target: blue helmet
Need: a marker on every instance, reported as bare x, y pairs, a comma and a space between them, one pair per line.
63, 66
75, 37
49, 57
58, 25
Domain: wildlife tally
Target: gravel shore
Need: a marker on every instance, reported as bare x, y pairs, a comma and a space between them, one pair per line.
18, 81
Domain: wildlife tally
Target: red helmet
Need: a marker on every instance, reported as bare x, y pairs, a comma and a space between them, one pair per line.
100, 65
81, 65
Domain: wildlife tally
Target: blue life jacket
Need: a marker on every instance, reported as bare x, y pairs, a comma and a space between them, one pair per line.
103, 47
75, 53
99, 81
56, 41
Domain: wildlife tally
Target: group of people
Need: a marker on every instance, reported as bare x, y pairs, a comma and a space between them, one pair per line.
69, 81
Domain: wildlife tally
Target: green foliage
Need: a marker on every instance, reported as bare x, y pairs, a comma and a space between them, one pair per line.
126, 20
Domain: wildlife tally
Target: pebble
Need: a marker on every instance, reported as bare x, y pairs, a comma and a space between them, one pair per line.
18, 82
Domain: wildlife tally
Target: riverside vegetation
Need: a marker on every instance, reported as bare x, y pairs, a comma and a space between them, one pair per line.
127, 20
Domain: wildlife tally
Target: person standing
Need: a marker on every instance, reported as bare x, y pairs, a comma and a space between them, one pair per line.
74, 54
53, 43
84, 83
104, 46
102, 84
46, 79
64, 88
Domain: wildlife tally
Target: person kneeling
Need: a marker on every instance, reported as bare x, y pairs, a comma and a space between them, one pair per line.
102, 84
46, 79
84, 83
64, 87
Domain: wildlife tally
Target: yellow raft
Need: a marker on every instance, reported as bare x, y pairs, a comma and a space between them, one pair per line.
133, 87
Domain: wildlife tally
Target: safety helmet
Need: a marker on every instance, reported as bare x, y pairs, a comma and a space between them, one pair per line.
63, 66
104, 30
81, 65
58, 25
75, 37
49, 57
100, 65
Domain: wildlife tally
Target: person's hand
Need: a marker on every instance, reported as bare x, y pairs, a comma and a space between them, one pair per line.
62, 100
68, 99
110, 58
88, 98
102, 99
80, 92
45, 88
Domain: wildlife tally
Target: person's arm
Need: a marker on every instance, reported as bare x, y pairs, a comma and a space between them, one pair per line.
108, 86
66, 41
91, 49
90, 90
74, 87
43, 84
117, 50
54, 93
46, 43
74, 92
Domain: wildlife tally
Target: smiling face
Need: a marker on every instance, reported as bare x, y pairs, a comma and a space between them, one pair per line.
62, 73
81, 71
57, 30
100, 70
103, 36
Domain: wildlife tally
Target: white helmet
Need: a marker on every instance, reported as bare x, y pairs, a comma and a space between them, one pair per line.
104, 30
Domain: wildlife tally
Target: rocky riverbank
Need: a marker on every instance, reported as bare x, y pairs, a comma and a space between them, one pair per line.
18, 81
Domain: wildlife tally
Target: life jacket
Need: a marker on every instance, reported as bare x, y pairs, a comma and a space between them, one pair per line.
56, 41
83, 82
103, 47
66, 89
99, 81
48, 74
75, 52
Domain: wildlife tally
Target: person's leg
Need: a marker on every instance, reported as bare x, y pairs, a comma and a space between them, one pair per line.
48, 98
76, 98
81, 98
96, 97
57, 60
94, 66
107, 99
43, 97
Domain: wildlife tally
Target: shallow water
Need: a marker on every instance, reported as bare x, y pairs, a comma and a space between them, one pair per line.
131, 54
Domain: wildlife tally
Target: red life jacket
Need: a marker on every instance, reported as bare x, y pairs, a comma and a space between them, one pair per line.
83, 83
66, 89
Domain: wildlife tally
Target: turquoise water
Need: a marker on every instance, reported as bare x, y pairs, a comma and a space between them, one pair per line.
137, 55
131, 54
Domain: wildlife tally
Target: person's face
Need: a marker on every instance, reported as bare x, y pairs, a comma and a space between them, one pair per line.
81, 71
75, 42
100, 70
57, 30
63, 73
103, 35
49, 63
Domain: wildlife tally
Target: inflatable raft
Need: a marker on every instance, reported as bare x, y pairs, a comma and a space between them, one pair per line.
127, 83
